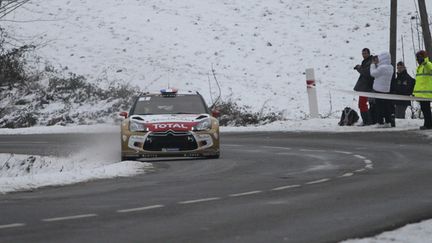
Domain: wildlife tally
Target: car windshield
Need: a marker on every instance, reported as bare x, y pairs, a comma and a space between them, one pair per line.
179, 104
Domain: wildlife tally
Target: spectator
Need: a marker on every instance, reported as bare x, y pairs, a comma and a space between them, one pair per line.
402, 85
423, 87
382, 70
364, 84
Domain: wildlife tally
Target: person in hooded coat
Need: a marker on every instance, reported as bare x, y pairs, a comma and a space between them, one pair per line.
382, 70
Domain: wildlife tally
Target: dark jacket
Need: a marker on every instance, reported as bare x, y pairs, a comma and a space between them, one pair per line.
365, 80
403, 85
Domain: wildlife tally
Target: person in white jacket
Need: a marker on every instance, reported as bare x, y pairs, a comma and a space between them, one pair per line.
382, 70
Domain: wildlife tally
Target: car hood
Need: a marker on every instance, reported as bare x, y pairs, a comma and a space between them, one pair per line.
173, 122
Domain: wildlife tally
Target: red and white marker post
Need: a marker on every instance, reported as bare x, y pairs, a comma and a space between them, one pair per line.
311, 91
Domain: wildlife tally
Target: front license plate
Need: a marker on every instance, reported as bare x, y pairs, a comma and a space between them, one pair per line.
170, 149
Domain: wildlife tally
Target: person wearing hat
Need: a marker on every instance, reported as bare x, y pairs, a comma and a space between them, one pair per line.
423, 87
403, 84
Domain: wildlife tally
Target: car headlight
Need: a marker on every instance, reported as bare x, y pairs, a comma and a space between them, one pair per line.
137, 127
203, 125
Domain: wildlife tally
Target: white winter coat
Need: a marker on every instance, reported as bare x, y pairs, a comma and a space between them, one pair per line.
383, 73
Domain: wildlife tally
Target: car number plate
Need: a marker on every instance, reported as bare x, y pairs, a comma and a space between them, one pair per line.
170, 149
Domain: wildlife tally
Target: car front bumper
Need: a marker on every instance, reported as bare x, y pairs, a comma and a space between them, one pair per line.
170, 144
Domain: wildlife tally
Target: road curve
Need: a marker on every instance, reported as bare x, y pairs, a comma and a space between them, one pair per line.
267, 187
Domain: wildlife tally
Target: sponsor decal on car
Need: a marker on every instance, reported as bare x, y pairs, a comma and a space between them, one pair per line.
161, 123
175, 126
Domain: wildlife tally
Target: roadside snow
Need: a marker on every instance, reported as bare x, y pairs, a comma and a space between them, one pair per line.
412, 233
27, 172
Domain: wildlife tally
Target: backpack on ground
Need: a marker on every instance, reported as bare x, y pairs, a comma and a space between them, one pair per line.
348, 117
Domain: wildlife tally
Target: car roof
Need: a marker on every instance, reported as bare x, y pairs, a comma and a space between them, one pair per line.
189, 92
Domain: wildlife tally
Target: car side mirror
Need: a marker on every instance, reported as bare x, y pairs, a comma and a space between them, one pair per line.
124, 114
215, 113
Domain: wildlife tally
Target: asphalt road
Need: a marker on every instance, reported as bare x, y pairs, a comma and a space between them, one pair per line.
267, 187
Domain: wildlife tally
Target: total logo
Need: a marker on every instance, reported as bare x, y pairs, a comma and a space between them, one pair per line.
170, 126
175, 125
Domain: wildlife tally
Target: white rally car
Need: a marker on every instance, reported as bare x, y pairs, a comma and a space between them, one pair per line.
168, 124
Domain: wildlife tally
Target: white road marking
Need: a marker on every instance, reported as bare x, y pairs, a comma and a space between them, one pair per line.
342, 152
7, 226
140, 208
312, 150
369, 167
285, 187
360, 170
317, 181
367, 161
252, 151
347, 175
359, 156
70, 217
200, 200
274, 147
244, 193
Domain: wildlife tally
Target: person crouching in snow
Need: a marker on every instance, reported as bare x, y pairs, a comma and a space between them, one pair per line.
364, 84
382, 70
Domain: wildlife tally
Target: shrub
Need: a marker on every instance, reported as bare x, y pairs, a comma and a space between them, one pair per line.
12, 66
234, 115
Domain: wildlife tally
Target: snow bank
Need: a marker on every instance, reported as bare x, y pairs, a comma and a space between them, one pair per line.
26, 172
412, 233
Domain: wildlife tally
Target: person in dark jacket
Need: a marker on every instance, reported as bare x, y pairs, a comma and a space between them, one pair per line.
364, 84
402, 85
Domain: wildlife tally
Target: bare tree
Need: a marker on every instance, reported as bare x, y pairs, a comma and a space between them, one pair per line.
11, 63
8, 6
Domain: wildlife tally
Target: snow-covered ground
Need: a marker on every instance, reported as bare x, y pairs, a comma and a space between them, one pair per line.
27, 172
259, 48
412, 233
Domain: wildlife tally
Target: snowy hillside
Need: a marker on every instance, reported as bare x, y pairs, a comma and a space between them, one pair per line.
259, 48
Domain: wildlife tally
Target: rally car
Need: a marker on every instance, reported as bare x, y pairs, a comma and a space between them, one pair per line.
169, 124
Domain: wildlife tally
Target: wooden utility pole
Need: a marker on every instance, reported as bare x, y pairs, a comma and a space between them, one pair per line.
393, 31
425, 27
